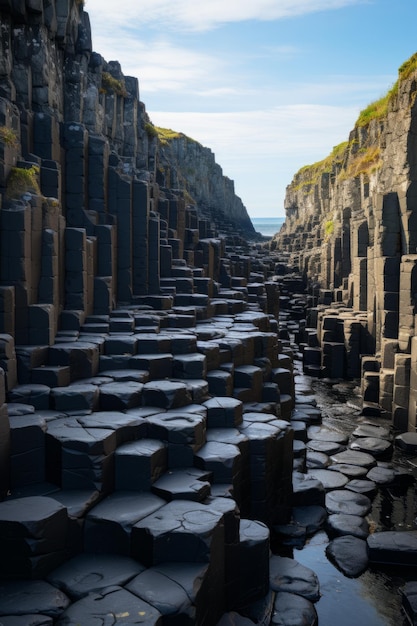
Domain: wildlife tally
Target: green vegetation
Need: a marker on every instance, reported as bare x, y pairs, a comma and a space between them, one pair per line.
165, 135
151, 130
311, 174
112, 85
379, 108
329, 228
367, 161
22, 180
8, 136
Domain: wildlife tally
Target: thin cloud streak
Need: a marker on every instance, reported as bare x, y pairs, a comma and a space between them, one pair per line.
188, 15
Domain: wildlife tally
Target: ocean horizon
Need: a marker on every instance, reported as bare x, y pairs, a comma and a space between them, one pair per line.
267, 226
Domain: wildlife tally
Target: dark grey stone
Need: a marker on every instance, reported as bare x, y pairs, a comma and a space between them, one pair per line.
329, 480
95, 608
345, 524
138, 464
92, 572
32, 596
393, 547
288, 575
293, 610
183, 484
345, 501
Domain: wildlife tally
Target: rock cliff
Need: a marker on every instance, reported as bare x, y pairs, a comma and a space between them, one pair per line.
351, 228
78, 151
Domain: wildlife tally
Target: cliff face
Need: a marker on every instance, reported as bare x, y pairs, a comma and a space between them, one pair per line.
351, 223
185, 164
93, 212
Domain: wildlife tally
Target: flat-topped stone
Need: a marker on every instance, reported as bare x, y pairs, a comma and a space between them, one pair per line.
293, 610
288, 575
95, 609
378, 448
329, 480
31, 597
393, 547
345, 501
349, 554
354, 457
89, 572
166, 394
179, 531
183, 484
344, 524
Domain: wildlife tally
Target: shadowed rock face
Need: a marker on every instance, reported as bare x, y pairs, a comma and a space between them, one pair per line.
351, 229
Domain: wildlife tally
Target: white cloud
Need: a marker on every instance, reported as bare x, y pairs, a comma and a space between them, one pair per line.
190, 15
275, 142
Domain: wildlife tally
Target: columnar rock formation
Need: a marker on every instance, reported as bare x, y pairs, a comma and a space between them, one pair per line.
351, 229
145, 394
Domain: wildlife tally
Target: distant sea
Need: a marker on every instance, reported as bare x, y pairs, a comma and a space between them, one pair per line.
267, 226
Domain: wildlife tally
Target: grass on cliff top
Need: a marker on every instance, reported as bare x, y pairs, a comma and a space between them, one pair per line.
379, 108
165, 135
314, 171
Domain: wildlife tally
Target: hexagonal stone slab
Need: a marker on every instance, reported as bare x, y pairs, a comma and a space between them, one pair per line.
166, 394
183, 484
393, 547
122, 605
344, 524
378, 448
293, 610
329, 480
353, 457
32, 596
349, 554
288, 575
345, 501
91, 572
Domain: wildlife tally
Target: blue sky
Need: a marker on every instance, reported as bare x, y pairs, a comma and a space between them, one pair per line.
268, 85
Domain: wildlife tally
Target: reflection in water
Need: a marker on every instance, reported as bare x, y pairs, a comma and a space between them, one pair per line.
373, 599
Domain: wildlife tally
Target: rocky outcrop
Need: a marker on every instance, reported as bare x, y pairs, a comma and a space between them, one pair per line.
351, 229
185, 164
82, 169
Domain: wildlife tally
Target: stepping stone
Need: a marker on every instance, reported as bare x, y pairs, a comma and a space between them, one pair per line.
120, 396
307, 490
407, 442
327, 447
115, 602
153, 343
349, 554
329, 480
299, 449
222, 460
378, 448
370, 430
85, 573
317, 460
127, 426
300, 430
138, 464
166, 591
366, 487
33, 537
345, 501
198, 389
220, 382
223, 412
344, 524
179, 531
119, 344
75, 398
393, 547
159, 366
288, 575
31, 597
321, 433
381, 475
183, 432
165, 394
34, 395
293, 610
108, 525
311, 517
351, 471
183, 484
353, 457
192, 366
